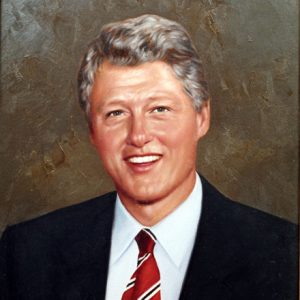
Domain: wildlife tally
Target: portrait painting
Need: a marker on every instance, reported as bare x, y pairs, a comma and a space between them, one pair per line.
135, 125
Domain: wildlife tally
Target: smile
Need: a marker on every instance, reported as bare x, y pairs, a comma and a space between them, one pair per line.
143, 159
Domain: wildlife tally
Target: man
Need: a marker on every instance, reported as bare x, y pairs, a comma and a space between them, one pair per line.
166, 233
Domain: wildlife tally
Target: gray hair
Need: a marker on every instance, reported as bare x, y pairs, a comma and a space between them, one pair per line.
143, 39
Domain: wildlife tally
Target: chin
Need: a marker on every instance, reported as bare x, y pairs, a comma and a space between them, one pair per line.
144, 196
146, 202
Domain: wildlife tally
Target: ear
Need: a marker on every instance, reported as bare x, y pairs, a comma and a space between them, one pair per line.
203, 119
91, 135
92, 141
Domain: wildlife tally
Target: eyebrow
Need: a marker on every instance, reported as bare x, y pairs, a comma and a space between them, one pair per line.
119, 101
99, 106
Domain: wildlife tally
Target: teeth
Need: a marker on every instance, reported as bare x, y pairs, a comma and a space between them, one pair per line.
143, 159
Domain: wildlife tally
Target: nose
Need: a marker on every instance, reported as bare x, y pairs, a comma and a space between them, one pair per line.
138, 133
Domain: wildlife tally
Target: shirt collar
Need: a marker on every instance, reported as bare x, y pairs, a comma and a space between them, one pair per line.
170, 232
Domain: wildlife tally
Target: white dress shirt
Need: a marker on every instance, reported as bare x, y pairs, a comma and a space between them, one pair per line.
175, 240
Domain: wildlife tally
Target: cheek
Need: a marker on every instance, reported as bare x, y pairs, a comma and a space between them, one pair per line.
108, 144
166, 132
102, 142
178, 136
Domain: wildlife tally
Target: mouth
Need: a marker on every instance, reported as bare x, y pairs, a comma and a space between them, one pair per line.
143, 159
142, 163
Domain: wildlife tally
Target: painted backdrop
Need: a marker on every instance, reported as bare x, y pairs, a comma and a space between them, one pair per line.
250, 50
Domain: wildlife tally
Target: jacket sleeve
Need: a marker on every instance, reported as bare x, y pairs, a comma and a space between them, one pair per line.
5, 258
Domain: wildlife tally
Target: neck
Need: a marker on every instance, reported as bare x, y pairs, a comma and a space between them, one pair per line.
152, 212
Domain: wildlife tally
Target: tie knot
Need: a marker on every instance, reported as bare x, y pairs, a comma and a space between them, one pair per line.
146, 241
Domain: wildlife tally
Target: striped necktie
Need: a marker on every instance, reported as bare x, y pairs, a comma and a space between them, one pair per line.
144, 284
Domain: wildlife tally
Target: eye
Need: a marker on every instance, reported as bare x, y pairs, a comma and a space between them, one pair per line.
114, 113
160, 109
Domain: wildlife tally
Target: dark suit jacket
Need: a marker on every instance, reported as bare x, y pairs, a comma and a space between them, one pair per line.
239, 253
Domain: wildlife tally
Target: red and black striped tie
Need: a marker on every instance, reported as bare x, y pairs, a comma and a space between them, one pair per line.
144, 284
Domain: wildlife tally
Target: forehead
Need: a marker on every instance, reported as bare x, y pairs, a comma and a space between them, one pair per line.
154, 76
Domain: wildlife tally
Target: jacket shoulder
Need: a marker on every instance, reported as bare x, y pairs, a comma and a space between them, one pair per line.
245, 249
61, 227
65, 217
44, 255
232, 212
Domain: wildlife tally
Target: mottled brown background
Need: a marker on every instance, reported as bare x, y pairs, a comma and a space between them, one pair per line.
250, 49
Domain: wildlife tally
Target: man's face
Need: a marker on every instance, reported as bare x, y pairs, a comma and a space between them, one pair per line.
146, 130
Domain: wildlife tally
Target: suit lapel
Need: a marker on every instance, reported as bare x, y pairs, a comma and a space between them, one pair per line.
208, 265
86, 253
